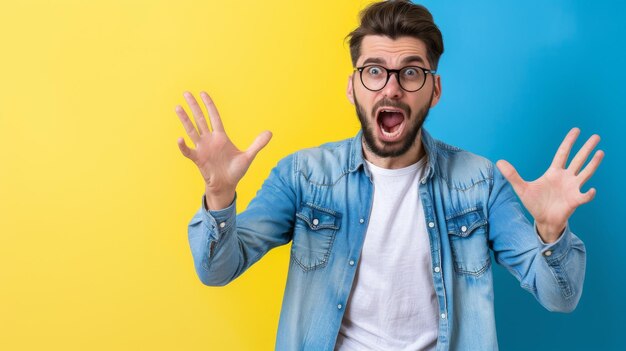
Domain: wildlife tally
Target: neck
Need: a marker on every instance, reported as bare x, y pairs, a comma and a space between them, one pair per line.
414, 154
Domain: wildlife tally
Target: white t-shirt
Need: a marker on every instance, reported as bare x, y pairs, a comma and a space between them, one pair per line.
392, 304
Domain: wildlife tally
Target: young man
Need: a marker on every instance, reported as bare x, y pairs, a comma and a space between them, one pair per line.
391, 229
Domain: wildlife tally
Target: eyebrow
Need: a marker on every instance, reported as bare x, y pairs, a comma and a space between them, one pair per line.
407, 59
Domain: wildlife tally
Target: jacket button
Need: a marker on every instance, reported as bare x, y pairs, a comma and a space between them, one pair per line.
431, 224
316, 221
361, 220
222, 225
437, 269
463, 229
351, 263
339, 306
547, 253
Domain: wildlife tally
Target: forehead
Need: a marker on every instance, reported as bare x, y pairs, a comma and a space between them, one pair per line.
392, 51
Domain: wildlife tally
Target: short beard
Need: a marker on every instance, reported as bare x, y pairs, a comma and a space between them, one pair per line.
369, 129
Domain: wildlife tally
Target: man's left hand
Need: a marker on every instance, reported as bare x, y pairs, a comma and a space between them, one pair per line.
552, 198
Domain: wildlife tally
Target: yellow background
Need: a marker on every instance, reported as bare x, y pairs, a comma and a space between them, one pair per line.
95, 196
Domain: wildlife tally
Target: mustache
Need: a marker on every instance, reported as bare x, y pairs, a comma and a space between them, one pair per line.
391, 103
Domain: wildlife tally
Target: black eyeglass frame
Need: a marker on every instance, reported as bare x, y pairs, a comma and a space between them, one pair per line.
397, 72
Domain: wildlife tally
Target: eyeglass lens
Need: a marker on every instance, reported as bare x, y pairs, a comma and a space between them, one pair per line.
410, 78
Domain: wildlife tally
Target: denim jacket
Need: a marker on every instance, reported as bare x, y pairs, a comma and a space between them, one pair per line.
320, 200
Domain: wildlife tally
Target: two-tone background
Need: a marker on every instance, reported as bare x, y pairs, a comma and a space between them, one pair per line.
95, 196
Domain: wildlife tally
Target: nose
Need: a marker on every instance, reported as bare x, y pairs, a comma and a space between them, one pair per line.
392, 89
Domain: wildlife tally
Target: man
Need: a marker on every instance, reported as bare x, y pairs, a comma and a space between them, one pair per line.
391, 229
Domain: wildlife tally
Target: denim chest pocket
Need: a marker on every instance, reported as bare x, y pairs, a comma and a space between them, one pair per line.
314, 234
468, 240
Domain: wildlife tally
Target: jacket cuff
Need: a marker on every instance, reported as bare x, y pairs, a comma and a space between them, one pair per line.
222, 220
554, 251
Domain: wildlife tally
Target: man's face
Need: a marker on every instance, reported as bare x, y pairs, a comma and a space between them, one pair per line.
391, 118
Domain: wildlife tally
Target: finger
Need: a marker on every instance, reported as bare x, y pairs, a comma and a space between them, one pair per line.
185, 150
591, 167
560, 158
259, 143
214, 116
588, 196
509, 172
197, 113
581, 156
187, 124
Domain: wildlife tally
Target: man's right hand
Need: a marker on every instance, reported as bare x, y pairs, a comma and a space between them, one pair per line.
221, 164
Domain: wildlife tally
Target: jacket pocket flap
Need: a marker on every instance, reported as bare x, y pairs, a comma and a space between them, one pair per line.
318, 217
464, 224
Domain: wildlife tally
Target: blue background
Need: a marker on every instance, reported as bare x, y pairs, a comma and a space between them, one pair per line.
516, 76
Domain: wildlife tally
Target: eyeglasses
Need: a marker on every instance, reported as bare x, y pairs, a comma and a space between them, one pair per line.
410, 78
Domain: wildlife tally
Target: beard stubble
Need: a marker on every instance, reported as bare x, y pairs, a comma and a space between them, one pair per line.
369, 128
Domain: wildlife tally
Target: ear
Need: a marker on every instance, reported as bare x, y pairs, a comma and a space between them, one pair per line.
350, 90
436, 90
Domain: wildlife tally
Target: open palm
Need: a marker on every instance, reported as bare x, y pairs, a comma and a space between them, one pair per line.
220, 162
553, 198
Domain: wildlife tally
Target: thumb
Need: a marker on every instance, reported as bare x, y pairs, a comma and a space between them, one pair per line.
509, 172
589, 195
258, 143
184, 149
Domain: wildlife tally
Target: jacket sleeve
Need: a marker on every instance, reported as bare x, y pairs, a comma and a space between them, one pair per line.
554, 273
224, 244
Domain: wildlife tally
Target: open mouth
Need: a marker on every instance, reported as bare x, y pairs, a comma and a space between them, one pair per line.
390, 122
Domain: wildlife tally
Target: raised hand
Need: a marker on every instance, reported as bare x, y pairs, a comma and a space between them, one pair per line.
220, 162
553, 198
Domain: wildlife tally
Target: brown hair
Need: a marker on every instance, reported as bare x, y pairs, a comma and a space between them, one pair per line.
398, 18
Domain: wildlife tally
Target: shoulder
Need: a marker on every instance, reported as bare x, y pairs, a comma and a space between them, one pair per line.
323, 164
461, 168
